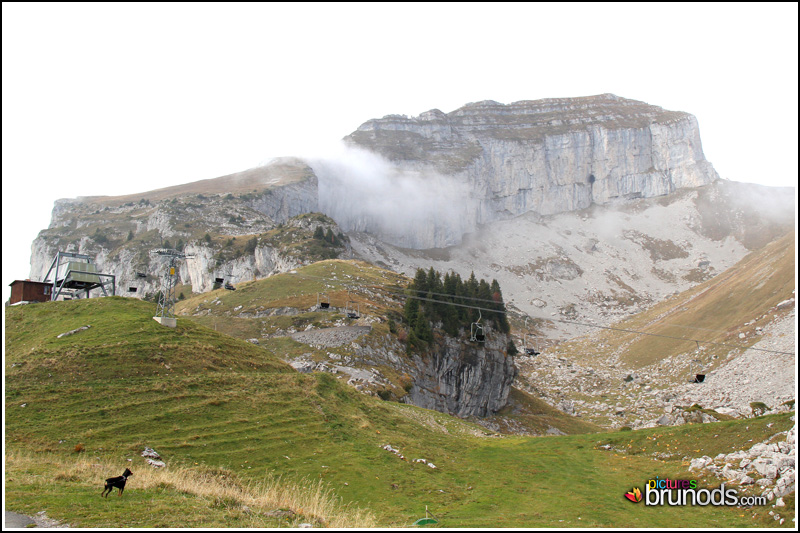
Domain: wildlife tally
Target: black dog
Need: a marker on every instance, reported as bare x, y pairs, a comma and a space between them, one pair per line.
118, 482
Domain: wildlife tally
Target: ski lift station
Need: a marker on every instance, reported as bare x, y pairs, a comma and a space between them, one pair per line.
71, 276
75, 276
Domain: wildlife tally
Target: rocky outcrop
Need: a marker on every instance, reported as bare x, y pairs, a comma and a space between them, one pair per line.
769, 465
546, 156
464, 379
202, 269
453, 376
288, 201
118, 237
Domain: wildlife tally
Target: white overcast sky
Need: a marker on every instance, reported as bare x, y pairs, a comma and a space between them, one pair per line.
107, 99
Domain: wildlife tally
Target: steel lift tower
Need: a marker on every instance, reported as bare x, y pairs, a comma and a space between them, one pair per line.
165, 312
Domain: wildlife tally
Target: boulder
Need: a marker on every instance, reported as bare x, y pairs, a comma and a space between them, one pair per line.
150, 452
731, 473
700, 463
765, 468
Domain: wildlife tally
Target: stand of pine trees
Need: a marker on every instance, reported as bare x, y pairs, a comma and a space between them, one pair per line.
422, 315
329, 237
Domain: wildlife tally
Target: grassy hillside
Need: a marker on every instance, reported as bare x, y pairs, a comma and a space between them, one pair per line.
299, 290
245, 313
249, 443
270, 309
526, 414
281, 172
717, 311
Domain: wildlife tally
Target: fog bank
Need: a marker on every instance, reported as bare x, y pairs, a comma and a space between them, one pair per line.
362, 191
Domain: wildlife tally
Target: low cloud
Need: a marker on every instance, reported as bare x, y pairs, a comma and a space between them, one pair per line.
362, 191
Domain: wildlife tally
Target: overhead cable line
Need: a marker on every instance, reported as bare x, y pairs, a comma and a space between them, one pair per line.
403, 292
504, 311
623, 330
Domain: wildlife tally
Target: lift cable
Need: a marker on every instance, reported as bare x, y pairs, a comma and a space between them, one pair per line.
623, 330
611, 328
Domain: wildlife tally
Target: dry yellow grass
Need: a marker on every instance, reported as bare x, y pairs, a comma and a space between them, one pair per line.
310, 501
275, 174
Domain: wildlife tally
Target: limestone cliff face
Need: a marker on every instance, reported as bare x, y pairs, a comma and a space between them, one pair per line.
267, 204
464, 379
201, 270
547, 156
281, 204
447, 174
198, 271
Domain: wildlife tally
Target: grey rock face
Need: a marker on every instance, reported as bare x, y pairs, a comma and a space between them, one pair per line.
464, 379
546, 156
110, 232
288, 201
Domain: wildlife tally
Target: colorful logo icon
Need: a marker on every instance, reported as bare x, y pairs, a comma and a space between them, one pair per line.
634, 495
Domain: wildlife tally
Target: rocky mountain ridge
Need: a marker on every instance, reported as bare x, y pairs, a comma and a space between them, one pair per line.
585, 210
484, 162
236, 238
546, 156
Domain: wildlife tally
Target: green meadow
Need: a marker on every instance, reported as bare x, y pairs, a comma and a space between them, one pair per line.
249, 442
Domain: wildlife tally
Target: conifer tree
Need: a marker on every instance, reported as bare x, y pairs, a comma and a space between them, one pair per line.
431, 302
497, 296
330, 237
411, 312
420, 284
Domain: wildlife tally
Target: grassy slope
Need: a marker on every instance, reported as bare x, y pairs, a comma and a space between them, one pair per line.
536, 417
277, 174
229, 410
342, 281
298, 290
737, 301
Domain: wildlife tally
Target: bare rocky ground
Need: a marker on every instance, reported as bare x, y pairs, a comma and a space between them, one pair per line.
359, 376
612, 395
754, 376
330, 337
595, 266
